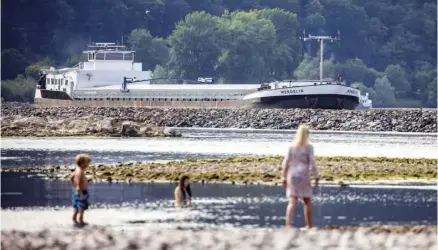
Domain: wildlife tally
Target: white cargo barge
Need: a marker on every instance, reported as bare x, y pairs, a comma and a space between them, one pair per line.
102, 76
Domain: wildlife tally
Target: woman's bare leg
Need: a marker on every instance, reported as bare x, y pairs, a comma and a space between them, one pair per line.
308, 212
290, 211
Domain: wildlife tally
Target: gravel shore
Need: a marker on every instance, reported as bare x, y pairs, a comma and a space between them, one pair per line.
380, 237
342, 120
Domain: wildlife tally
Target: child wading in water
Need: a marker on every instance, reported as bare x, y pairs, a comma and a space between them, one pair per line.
296, 177
183, 192
80, 193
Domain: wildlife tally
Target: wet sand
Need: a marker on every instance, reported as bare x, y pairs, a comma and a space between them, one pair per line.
418, 237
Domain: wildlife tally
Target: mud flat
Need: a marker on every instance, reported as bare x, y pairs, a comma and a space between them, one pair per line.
379, 237
340, 120
249, 170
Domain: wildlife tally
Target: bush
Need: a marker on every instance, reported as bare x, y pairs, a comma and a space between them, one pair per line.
20, 89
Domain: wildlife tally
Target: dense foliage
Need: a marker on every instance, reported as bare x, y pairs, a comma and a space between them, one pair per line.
388, 47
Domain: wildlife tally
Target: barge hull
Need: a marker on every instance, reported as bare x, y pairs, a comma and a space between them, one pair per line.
305, 102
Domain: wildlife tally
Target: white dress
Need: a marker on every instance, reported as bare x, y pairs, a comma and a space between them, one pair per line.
298, 161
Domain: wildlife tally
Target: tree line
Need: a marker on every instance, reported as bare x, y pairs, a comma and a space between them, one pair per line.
388, 48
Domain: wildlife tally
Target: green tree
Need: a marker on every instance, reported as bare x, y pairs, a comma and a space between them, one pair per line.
250, 40
385, 96
150, 51
364, 89
195, 45
397, 76
308, 69
20, 89
432, 94
355, 70
286, 52
33, 71
13, 63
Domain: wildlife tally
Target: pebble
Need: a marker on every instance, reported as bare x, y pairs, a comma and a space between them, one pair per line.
341, 120
236, 238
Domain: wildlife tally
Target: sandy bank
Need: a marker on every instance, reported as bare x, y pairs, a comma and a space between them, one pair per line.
419, 237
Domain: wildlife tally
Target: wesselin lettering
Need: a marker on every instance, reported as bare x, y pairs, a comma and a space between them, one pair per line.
292, 91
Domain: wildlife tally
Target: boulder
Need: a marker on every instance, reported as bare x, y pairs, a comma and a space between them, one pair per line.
104, 126
32, 121
145, 130
130, 129
172, 132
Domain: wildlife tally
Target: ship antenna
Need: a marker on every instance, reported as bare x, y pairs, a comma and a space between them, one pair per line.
122, 39
321, 39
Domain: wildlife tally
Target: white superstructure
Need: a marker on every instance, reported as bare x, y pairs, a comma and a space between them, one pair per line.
365, 102
106, 64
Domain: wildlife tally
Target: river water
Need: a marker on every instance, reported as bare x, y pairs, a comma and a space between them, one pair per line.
211, 143
31, 203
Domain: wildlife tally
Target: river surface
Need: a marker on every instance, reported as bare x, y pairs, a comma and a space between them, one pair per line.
32, 203
211, 143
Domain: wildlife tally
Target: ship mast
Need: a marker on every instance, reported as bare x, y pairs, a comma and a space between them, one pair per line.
321, 40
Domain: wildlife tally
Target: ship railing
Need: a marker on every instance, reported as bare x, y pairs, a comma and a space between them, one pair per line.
168, 95
79, 65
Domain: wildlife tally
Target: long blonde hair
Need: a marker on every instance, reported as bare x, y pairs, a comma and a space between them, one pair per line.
302, 136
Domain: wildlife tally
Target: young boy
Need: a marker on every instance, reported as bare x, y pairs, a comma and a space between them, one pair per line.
80, 193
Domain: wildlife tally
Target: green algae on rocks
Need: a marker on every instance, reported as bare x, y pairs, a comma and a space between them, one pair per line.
255, 169
70, 134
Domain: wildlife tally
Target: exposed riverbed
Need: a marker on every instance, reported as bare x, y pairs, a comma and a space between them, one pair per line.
342, 120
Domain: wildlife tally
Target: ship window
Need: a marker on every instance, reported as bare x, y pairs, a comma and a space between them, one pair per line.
108, 98
314, 83
100, 56
141, 99
114, 56
128, 57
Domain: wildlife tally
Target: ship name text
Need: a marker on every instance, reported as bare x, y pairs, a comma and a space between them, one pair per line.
292, 91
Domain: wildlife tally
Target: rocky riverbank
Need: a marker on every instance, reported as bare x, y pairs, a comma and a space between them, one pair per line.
339, 170
379, 237
344, 120
80, 126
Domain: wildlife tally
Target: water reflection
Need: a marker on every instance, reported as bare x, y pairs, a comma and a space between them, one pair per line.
219, 205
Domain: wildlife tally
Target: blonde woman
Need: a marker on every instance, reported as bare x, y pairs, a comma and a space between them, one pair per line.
295, 175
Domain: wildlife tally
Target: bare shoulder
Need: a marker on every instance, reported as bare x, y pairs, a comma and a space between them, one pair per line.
79, 172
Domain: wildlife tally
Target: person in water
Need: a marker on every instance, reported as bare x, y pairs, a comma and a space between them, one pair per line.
183, 193
80, 193
296, 177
